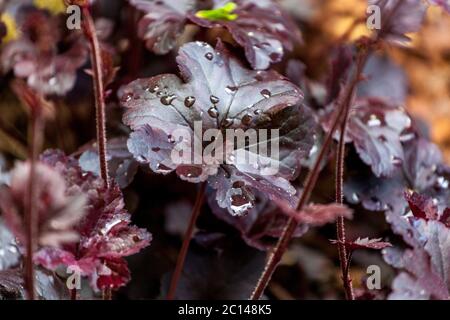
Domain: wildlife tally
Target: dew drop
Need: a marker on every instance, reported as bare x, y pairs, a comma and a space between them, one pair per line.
443, 183
167, 100
231, 89
189, 101
209, 56
154, 89
373, 121
127, 97
214, 99
396, 160
171, 139
213, 112
266, 93
141, 158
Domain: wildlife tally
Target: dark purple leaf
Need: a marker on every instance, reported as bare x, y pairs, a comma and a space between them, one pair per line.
421, 206
261, 28
263, 224
48, 286
376, 194
316, 214
35, 55
122, 166
340, 67
106, 234
59, 207
163, 22
384, 80
365, 243
427, 263
399, 17
422, 158
377, 130
222, 94
9, 250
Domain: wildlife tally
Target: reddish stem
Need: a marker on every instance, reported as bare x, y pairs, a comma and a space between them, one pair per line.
99, 89
31, 218
73, 294
340, 224
310, 183
186, 241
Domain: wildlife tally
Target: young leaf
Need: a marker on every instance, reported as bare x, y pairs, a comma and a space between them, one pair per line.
59, 206
163, 22
106, 234
260, 27
399, 17
365, 243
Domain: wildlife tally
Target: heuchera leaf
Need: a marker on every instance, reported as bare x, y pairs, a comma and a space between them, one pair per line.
59, 206
261, 28
376, 130
365, 243
121, 164
106, 234
420, 172
316, 214
263, 224
399, 17
222, 94
384, 80
48, 285
10, 254
427, 264
163, 22
35, 55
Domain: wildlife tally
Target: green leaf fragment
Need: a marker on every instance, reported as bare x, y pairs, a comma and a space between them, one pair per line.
223, 13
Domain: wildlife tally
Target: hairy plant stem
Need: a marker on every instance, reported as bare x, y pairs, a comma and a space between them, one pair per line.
340, 167
36, 140
186, 241
99, 89
310, 182
100, 107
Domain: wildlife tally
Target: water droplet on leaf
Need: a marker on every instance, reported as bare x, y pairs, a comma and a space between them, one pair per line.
209, 56
213, 112
189, 101
266, 93
214, 99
